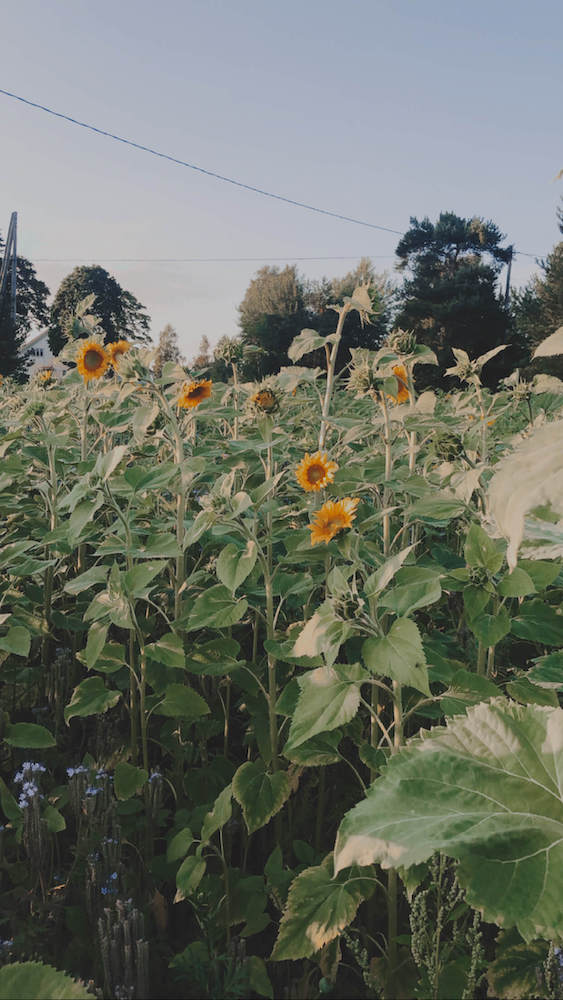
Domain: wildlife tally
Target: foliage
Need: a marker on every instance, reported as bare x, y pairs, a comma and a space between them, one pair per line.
449, 297
278, 304
167, 349
35, 980
120, 314
210, 667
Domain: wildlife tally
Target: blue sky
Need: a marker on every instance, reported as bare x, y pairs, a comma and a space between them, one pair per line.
375, 109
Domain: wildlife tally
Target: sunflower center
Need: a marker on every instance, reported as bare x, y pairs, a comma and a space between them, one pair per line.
92, 360
315, 473
197, 392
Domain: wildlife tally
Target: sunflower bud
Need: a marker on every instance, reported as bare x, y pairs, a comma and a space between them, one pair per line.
228, 350
478, 576
447, 446
402, 341
522, 391
361, 379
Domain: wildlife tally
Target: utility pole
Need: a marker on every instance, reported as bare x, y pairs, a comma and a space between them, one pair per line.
507, 289
9, 267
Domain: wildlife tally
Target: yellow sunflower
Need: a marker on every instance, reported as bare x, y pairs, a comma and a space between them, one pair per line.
116, 351
400, 373
92, 360
314, 472
333, 517
194, 393
45, 376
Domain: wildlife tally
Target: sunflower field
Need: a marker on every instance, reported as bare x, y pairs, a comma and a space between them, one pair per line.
280, 673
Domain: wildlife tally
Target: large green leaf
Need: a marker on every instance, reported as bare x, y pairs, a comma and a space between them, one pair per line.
548, 671
486, 790
91, 697
398, 655
323, 634
260, 794
330, 697
35, 981
219, 815
17, 640
514, 973
29, 736
168, 650
481, 551
216, 608
182, 702
414, 587
305, 342
234, 564
128, 779
539, 622
319, 907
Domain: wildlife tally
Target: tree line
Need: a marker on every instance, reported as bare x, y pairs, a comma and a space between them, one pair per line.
453, 293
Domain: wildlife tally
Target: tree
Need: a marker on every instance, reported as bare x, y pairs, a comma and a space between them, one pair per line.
31, 309
280, 303
167, 349
203, 357
538, 307
120, 314
449, 298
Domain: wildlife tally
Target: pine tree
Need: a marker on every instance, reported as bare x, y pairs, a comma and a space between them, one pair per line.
31, 309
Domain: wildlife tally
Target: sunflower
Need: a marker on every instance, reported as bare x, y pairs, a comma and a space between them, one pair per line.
117, 350
194, 393
333, 517
314, 472
265, 400
92, 360
45, 376
400, 373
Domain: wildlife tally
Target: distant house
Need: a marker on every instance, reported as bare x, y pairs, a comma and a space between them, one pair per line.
39, 355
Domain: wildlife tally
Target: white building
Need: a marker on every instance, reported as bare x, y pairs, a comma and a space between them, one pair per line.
39, 355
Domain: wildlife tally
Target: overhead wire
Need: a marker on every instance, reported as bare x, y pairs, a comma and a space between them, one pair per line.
220, 177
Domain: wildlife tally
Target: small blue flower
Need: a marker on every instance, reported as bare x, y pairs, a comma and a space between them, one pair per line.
91, 791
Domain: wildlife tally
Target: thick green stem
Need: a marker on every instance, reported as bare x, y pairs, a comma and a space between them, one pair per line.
142, 708
481, 659
388, 471
393, 880
235, 397
330, 377
180, 525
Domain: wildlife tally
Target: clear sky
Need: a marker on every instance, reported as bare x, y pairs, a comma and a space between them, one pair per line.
377, 109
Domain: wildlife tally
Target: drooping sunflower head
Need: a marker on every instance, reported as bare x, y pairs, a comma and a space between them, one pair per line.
333, 517
402, 395
314, 472
117, 350
265, 401
193, 393
92, 359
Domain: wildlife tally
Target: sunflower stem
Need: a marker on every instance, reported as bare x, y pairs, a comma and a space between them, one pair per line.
330, 375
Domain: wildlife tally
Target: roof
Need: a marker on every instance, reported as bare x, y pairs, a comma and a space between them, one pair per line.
36, 338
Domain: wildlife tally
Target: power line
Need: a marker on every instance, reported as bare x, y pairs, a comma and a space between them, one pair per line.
197, 260
201, 170
227, 180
